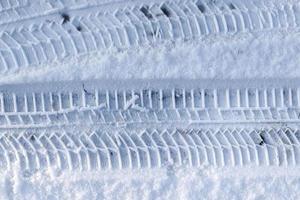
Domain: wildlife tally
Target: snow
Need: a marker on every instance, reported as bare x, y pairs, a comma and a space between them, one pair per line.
246, 55
166, 183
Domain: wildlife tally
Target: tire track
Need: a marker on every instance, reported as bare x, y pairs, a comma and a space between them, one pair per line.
7, 6
71, 33
16, 11
97, 150
73, 103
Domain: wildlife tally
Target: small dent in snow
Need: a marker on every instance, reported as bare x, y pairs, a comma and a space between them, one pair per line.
111, 153
166, 11
251, 93
262, 142
284, 93
85, 90
231, 6
79, 28
66, 18
32, 138
201, 7
208, 95
145, 11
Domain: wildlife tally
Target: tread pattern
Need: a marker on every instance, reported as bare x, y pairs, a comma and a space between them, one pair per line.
18, 10
98, 27
178, 105
13, 11
96, 150
6, 6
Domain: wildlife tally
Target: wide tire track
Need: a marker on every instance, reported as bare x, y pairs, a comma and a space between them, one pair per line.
95, 150
75, 103
88, 28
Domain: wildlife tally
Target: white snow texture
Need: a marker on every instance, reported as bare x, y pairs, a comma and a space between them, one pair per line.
157, 99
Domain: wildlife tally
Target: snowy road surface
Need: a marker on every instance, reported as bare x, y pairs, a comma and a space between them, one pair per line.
158, 99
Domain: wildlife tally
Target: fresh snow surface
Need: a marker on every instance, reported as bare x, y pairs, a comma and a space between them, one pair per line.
258, 55
165, 183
